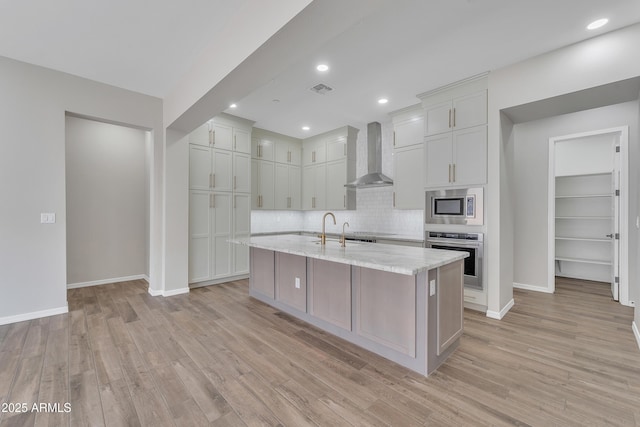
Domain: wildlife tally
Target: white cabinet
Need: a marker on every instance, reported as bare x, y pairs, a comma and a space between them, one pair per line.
408, 130
209, 230
263, 186
262, 149
408, 182
241, 141
209, 169
201, 135
457, 158
314, 152
585, 226
287, 187
219, 199
222, 170
222, 136
336, 149
336, 192
329, 164
288, 152
455, 122
314, 178
408, 158
241, 173
460, 113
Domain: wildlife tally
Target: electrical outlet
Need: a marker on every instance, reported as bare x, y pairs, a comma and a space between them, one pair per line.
432, 288
297, 283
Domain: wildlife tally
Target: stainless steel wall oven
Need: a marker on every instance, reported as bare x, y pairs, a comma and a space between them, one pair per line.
472, 243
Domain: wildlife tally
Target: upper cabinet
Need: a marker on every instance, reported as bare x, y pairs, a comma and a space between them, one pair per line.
455, 126
276, 161
329, 162
460, 113
408, 158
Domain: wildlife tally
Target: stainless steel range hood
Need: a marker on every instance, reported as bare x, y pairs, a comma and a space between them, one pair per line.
375, 177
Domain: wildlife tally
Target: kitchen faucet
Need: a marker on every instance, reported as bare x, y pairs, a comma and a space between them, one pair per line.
343, 240
323, 236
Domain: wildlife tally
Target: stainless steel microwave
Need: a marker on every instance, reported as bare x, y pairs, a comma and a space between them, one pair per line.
460, 206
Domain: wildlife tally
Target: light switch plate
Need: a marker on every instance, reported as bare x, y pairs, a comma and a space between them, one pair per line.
47, 218
432, 288
297, 283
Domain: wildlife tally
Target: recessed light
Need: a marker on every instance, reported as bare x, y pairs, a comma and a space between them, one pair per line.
233, 106
305, 128
597, 24
322, 67
383, 101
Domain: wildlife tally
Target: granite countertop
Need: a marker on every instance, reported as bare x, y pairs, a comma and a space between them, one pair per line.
391, 258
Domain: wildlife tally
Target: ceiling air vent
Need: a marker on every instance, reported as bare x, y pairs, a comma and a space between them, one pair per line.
321, 89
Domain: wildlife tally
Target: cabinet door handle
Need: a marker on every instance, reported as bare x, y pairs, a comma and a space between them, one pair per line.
449, 172
454, 117
394, 138
454, 172
449, 117
213, 180
394, 199
234, 142
210, 137
210, 180
235, 182
213, 137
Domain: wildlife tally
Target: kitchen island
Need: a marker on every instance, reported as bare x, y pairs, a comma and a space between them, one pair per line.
403, 303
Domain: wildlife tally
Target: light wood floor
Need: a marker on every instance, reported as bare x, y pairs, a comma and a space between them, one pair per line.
218, 357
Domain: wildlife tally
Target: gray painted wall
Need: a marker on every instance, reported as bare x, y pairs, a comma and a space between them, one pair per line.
530, 192
34, 100
107, 207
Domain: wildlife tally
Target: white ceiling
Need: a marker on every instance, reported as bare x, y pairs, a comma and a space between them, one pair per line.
399, 48
144, 46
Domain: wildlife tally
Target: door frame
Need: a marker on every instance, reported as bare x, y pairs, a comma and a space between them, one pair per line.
623, 131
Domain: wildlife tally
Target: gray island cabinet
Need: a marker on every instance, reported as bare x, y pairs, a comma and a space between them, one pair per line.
403, 303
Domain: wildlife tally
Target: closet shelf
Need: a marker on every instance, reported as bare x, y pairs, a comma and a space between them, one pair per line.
583, 196
584, 260
585, 217
585, 239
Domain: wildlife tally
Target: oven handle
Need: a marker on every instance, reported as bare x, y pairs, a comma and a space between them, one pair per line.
456, 243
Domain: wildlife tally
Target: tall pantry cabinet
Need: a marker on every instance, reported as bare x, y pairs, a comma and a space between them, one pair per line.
219, 199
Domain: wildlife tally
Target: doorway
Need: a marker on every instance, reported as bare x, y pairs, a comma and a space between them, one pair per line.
588, 198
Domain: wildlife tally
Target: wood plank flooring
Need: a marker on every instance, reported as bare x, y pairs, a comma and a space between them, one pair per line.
217, 357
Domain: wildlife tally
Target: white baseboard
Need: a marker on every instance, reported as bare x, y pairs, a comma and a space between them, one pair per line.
636, 332
157, 293
107, 281
34, 315
175, 292
500, 314
531, 288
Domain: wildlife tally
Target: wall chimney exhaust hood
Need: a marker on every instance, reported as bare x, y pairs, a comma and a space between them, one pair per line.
375, 177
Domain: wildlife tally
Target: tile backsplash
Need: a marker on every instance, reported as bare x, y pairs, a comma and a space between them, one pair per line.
374, 212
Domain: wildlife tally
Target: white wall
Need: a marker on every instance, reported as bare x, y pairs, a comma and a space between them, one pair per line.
601, 60
530, 175
106, 204
32, 176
